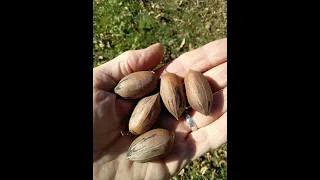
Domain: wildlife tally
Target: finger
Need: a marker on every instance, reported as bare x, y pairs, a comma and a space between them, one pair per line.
181, 127
219, 107
200, 59
217, 77
208, 138
107, 75
197, 144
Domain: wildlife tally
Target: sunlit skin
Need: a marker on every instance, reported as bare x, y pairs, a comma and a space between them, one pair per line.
111, 113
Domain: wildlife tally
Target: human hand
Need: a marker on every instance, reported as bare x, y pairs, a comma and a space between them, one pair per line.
111, 113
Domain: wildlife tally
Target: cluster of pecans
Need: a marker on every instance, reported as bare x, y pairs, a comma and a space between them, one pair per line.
156, 143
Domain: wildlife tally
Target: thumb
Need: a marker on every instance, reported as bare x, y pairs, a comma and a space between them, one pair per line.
127, 63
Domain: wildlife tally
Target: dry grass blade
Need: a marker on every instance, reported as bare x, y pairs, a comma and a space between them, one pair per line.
213, 173
182, 44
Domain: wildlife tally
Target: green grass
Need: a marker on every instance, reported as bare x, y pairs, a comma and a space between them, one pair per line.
132, 24
210, 166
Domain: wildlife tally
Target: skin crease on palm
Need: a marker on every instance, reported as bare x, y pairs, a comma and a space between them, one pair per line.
111, 113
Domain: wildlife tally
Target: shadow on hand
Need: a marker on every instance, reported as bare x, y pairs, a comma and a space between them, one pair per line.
182, 152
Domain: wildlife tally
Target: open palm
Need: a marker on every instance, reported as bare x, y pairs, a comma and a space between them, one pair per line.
111, 113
